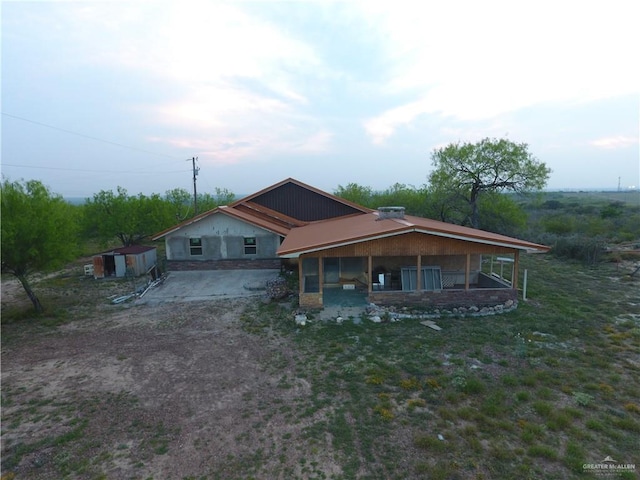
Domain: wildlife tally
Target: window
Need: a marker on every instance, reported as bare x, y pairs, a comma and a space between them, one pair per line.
431, 278
250, 247
195, 246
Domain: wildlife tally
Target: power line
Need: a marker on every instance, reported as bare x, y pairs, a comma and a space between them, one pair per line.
90, 171
87, 136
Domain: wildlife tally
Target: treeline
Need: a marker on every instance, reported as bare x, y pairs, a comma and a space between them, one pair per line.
490, 185
583, 226
133, 219
578, 226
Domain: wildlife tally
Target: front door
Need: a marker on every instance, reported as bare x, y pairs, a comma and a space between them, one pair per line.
121, 265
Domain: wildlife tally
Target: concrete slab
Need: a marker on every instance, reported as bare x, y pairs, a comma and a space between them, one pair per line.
209, 285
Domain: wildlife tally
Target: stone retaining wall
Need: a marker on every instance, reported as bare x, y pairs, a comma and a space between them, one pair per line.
480, 297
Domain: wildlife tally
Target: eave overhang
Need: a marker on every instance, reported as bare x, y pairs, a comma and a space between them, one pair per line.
516, 245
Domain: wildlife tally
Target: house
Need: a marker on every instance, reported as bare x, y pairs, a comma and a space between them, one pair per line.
248, 232
133, 260
384, 255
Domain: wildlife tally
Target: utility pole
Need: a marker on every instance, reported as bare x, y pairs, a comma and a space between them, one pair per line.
195, 193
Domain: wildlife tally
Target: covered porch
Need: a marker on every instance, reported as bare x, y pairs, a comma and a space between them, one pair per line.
444, 280
394, 258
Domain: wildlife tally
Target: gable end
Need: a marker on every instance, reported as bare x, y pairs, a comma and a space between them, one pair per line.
303, 204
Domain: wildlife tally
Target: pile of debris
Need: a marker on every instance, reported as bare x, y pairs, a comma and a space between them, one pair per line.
141, 291
277, 289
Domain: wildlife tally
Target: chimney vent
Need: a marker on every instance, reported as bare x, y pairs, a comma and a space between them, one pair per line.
390, 212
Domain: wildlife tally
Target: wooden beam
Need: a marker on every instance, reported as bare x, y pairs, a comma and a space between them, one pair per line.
516, 264
419, 274
467, 272
370, 267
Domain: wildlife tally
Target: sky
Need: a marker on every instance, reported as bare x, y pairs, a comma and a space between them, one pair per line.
99, 95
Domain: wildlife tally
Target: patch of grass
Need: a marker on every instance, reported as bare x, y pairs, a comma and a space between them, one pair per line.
410, 383
430, 443
543, 409
542, 451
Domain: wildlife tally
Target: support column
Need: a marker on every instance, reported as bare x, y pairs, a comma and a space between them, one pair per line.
516, 262
467, 271
301, 281
320, 275
370, 267
419, 273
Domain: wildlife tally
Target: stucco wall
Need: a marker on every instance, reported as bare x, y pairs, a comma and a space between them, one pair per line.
222, 238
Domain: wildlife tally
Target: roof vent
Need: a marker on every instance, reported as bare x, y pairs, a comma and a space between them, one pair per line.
390, 212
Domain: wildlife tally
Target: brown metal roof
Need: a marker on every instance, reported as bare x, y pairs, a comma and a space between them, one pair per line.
189, 221
269, 215
360, 228
263, 221
260, 221
130, 250
280, 207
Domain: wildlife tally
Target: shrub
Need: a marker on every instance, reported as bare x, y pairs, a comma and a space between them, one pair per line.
582, 399
410, 384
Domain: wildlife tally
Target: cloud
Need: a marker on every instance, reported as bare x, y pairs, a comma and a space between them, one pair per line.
210, 69
616, 142
478, 60
384, 126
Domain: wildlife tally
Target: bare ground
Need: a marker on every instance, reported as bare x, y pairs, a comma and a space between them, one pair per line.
177, 390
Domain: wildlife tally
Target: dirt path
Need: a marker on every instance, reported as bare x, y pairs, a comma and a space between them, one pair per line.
171, 391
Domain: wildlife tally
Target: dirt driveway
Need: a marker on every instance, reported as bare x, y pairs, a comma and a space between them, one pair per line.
164, 390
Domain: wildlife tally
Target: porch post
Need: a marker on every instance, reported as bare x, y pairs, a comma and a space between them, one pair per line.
370, 281
514, 274
301, 280
467, 271
419, 273
320, 275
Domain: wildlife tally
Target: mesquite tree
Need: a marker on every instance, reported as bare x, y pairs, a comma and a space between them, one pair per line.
39, 232
464, 172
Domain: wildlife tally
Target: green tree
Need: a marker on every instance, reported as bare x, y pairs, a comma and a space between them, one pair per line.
357, 194
39, 232
130, 219
207, 201
411, 198
180, 203
464, 172
500, 213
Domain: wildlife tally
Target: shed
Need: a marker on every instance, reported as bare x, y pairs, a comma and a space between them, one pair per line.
135, 260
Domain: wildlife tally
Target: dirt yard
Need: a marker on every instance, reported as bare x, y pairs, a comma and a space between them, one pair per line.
231, 388
171, 391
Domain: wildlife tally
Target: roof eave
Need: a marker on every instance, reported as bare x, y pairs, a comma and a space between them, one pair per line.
297, 253
264, 225
186, 223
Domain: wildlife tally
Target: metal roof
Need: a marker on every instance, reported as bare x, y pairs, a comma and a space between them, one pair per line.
366, 227
357, 223
130, 250
298, 202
